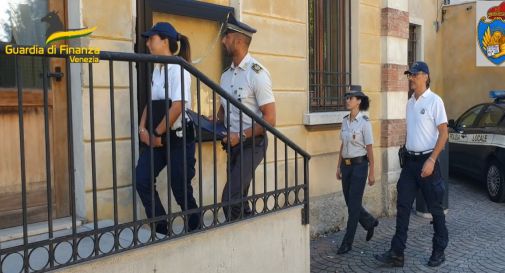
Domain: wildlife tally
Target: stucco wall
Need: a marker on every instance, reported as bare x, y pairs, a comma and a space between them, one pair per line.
425, 12
465, 84
328, 209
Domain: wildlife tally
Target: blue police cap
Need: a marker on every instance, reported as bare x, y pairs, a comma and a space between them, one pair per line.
233, 24
162, 28
418, 67
355, 91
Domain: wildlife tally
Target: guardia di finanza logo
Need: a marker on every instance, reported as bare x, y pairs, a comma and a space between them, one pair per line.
491, 34
75, 54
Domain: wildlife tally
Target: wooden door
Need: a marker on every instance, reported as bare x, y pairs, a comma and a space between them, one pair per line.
27, 23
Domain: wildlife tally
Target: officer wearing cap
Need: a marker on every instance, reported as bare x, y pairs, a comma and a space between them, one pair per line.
249, 82
163, 39
355, 164
426, 137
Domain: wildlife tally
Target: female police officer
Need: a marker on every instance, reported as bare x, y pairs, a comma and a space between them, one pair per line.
355, 160
162, 39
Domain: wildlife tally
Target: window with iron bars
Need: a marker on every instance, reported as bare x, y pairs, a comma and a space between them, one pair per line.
412, 44
412, 49
329, 54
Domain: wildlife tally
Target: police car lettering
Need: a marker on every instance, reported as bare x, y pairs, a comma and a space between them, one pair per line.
454, 137
497, 140
479, 138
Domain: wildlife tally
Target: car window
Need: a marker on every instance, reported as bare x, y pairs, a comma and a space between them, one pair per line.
502, 124
468, 118
490, 117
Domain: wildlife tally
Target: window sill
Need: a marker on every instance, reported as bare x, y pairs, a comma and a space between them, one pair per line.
322, 118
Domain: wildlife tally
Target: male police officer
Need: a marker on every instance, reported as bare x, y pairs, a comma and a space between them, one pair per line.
249, 82
426, 137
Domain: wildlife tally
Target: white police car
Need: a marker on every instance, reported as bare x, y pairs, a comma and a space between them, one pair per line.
477, 144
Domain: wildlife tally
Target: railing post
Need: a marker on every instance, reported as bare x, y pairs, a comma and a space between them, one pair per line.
19, 82
167, 152
93, 157
133, 134
306, 190
113, 136
48, 159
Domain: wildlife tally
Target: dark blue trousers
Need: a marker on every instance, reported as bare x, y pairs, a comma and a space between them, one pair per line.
353, 186
433, 190
177, 184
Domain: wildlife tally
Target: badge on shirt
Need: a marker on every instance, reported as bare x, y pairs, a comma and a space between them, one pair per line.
423, 111
256, 67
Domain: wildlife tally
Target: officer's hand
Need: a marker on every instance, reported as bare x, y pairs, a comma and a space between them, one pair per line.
428, 167
234, 138
339, 174
144, 137
156, 141
371, 178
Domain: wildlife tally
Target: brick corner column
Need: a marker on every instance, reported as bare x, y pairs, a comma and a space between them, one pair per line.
394, 85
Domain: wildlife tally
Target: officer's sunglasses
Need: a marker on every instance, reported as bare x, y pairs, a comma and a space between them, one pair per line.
414, 75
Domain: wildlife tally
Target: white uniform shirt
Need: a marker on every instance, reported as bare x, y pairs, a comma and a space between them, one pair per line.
355, 135
424, 115
250, 83
174, 86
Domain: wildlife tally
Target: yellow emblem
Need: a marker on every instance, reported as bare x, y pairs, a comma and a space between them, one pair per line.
496, 41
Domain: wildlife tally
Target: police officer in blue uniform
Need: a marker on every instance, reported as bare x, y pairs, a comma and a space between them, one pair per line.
427, 134
249, 82
163, 39
355, 164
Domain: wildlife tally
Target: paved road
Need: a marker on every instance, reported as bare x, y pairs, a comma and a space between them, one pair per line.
476, 239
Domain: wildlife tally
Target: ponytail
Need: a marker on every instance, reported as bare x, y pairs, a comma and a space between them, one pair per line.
365, 103
184, 51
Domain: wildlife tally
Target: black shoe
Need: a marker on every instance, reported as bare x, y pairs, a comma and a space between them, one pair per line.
390, 258
194, 222
436, 259
344, 248
369, 233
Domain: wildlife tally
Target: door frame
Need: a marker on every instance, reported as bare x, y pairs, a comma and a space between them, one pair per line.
145, 10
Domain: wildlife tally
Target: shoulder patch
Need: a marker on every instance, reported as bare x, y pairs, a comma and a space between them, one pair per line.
257, 68
365, 118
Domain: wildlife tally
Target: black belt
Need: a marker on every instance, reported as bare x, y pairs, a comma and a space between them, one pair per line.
420, 154
354, 160
174, 138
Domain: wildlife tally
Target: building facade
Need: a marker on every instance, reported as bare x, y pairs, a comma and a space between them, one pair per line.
313, 50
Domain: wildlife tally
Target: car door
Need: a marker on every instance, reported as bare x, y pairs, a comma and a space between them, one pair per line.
488, 135
459, 154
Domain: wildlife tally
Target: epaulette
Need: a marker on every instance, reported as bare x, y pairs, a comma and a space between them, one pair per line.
365, 117
228, 68
257, 68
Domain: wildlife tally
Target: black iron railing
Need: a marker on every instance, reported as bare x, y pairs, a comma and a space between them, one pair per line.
55, 250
